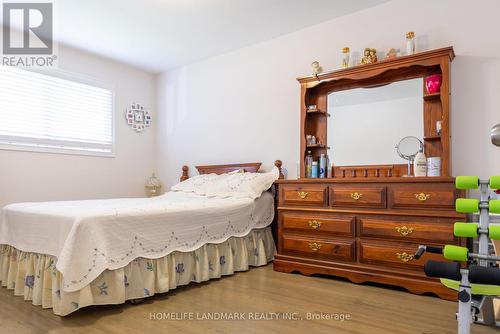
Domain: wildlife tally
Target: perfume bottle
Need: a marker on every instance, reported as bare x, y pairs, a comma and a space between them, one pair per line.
314, 171
322, 166
410, 43
420, 164
345, 57
309, 162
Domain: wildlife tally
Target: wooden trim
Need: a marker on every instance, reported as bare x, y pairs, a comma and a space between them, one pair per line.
185, 173
368, 211
278, 165
412, 282
381, 64
429, 179
251, 167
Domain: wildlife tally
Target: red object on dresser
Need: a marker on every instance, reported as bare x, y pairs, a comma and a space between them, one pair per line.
433, 83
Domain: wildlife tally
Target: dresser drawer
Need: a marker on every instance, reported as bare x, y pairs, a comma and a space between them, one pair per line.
393, 254
304, 195
427, 229
319, 248
423, 196
318, 224
361, 196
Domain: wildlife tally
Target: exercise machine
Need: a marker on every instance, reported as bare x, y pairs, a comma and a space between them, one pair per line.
476, 276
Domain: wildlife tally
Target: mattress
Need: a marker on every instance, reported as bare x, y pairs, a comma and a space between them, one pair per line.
88, 237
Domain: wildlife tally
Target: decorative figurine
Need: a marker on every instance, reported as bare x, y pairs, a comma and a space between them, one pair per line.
392, 53
345, 57
366, 57
316, 68
373, 55
369, 56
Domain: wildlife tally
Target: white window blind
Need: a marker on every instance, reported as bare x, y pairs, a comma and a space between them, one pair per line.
47, 113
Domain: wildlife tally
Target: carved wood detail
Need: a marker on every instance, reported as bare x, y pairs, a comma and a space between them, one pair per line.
436, 107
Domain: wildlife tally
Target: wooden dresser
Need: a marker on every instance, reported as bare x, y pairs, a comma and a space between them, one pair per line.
365, 230
366, 221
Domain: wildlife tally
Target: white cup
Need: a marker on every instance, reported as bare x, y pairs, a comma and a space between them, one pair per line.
434, 166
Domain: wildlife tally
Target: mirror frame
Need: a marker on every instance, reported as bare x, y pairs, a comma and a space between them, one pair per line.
393, 119
315, 91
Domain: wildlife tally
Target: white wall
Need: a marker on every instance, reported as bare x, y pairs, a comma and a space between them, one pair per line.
30, 176
244, 105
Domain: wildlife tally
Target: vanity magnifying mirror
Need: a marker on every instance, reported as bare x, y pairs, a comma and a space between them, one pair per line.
407, 148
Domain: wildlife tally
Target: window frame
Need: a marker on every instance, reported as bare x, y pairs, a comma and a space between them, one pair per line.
37, 145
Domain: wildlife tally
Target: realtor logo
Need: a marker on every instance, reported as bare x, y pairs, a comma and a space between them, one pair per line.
27, 34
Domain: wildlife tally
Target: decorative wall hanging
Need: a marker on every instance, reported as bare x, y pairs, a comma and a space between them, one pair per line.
138, 117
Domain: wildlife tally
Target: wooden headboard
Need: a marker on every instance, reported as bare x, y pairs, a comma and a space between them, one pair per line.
251, 167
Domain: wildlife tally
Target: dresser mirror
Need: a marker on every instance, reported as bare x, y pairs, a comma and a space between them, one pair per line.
365, 124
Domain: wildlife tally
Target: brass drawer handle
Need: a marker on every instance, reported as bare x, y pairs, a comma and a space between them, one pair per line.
404, 230
315, 246
356, 195
314, 224
422, 197
404, 257
302, 194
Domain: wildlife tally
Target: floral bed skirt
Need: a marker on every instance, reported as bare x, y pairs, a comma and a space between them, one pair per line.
35, 276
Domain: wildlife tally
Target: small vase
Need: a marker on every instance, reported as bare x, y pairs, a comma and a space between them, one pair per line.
433, 83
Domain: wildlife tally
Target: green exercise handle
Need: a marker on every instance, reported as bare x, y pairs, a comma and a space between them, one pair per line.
467, 205
455, 253
465, 230
495, 182
494, 206
494, 232
467, 182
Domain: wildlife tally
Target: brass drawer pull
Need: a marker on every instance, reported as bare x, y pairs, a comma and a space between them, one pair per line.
404, 230
422, 197
314, 224
356, 195
302, 194
404, 257
315, 246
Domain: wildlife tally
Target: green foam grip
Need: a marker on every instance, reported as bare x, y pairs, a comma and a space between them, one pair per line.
495, 182
455, 253
467, 182
494, 232
467, 205
466, 230
494, 206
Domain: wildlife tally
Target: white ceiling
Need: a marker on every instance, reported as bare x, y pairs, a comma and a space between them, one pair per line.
158, 35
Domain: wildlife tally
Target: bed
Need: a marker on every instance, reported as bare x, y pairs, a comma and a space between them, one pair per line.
71, 254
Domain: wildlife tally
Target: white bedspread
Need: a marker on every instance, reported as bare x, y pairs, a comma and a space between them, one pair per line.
89, 237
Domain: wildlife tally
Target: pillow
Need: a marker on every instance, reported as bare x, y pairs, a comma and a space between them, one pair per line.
196, 184
242, 185
237, 185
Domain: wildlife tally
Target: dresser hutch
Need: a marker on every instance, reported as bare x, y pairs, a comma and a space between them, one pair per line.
365, 222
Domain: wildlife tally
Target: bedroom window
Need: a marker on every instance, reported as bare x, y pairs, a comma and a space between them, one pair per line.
40, 112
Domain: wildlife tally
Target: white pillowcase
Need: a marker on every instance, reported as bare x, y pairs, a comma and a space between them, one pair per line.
237, 185
197, 184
